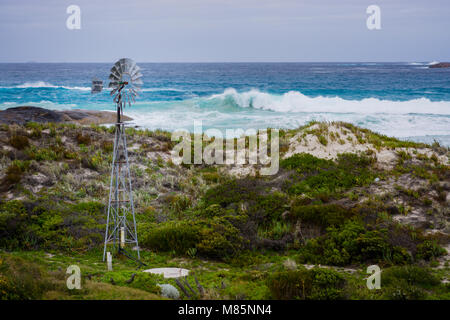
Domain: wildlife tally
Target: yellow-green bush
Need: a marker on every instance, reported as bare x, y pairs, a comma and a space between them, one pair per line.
214, 238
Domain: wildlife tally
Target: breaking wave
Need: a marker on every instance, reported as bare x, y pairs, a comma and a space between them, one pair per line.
294, 101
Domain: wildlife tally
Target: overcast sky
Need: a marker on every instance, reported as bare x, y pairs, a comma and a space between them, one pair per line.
224, 30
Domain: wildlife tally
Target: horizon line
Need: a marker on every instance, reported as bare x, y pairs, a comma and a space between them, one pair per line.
343, 61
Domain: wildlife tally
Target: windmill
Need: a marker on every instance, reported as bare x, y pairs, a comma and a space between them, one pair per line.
125, 83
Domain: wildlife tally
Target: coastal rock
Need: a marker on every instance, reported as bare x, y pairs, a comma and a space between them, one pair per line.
440, 65
23, 114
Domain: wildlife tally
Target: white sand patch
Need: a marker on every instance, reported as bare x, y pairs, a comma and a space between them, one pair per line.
134, 147
344, 142
242, 170
338, 140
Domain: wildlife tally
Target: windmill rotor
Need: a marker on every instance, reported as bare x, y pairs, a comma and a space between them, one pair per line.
125, 81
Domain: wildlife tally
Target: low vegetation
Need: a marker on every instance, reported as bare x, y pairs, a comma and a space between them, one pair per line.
329, 218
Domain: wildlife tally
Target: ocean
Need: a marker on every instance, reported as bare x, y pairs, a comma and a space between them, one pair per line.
405, 100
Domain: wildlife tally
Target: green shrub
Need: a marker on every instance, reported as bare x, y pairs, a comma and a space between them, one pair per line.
321, 215
322, 140
429, 250
49, 225
327, 284
213, 210
214, 238
14, 174
408, 282
352, 243
83, 139
20, 279
141, 280
13, 223
52, 153
306, 163
231, 191
220, 239
19, 142
173, 235
107, 146
289, 285
271, 206
315, 284
211, 177
179, 202
320, 176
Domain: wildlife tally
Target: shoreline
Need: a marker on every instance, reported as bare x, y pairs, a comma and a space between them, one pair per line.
23, 114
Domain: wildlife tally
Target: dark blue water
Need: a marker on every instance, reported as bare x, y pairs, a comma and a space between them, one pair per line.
401, 99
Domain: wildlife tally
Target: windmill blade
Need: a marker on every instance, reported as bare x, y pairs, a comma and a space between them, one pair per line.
123, 65
138, 82
113, 76
137, 76
118, 67
113, 84
116, 72
136, 70
130, 65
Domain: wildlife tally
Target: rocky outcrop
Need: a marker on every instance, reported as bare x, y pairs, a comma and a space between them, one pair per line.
23, 114
440, 65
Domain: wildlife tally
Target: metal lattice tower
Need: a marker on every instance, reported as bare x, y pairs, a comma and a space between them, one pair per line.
121, 222
121, 232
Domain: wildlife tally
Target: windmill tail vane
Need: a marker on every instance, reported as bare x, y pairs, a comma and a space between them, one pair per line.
121, 232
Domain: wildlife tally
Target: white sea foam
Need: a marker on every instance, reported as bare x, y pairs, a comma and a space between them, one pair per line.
161, 89
37, 84
43, 104
43, 84
294, 101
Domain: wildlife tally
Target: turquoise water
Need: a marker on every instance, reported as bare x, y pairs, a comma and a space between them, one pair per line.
406, 100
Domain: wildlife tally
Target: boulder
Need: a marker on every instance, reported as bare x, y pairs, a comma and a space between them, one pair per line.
23, 114
169, 291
